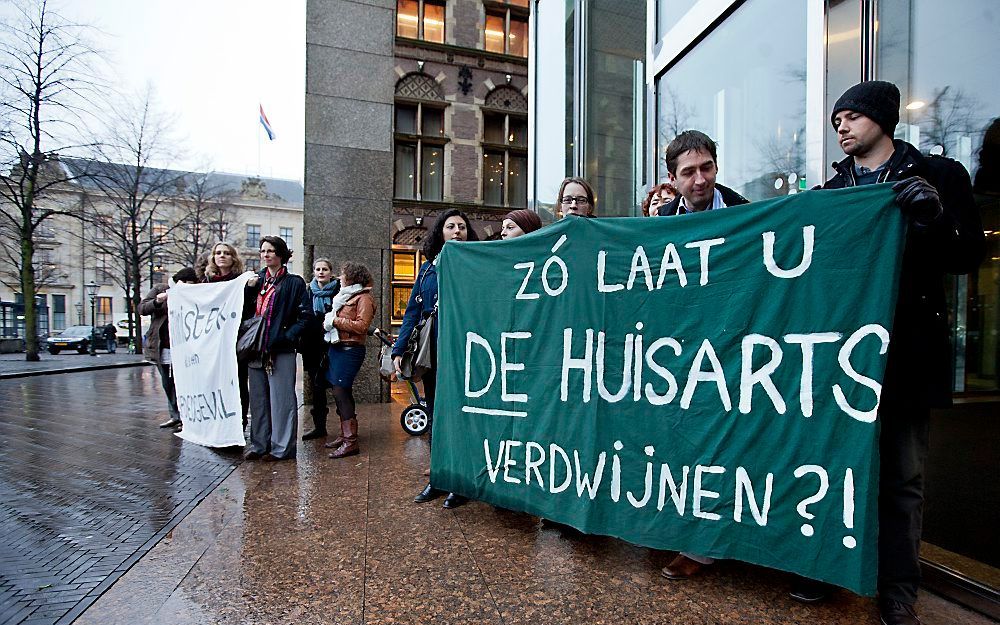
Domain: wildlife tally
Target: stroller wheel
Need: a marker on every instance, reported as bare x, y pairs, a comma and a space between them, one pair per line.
414, 419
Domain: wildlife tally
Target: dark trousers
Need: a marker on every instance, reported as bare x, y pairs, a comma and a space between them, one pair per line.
167, 382
430, 387
112, 345
243, 375
320, 409
902, 452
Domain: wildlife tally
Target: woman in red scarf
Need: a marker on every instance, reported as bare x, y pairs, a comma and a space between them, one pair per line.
283, 301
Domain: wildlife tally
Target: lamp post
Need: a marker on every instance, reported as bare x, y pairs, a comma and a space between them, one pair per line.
79, 313
92, 288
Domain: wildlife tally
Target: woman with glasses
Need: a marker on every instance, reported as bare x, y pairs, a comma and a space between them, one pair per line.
282, 300
576, 197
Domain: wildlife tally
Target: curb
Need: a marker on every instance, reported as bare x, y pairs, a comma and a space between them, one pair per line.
29, 374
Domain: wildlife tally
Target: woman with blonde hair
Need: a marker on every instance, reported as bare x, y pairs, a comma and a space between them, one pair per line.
224, 264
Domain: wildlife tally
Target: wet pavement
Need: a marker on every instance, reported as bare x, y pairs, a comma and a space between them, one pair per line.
88, 484
324, 541
15, 366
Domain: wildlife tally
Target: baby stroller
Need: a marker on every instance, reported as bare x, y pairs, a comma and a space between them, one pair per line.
414, 417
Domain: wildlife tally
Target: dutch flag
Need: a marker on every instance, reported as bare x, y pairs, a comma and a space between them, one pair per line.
266, 124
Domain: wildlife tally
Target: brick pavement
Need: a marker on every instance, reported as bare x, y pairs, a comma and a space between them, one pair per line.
88, 484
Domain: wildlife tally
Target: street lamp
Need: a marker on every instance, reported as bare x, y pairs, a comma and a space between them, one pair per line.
92, 288
79, 313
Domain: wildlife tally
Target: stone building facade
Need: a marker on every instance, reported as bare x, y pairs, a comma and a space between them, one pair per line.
413, 107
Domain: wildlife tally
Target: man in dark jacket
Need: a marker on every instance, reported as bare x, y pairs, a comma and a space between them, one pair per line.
691, 162
945, 235
156, 344
692, 165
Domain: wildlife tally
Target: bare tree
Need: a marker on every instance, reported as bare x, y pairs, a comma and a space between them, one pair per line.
951, 114
205, 215
129, 223
46, 77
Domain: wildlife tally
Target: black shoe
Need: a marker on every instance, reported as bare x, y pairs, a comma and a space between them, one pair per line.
311, 434
809, 591
894, 612
429, 493
172, 423
252, 455
453, 501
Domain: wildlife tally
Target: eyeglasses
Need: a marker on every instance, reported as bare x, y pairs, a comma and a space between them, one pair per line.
580, 200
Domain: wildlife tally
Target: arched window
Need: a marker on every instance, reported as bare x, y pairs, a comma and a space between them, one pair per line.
419, 139
505, 148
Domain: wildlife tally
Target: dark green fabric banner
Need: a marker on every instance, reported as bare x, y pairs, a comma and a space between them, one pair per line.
706, 383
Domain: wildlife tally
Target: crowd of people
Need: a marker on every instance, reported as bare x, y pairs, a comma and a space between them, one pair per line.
331, 316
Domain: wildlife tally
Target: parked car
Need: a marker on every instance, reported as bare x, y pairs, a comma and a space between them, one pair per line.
75, 337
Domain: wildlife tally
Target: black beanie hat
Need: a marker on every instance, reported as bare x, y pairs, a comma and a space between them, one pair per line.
876, 99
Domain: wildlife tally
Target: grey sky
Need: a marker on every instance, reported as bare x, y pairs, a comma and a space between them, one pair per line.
211, 62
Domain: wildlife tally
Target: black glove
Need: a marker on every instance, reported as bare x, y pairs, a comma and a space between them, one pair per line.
918, 200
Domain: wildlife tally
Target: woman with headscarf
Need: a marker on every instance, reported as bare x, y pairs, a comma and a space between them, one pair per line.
518, 223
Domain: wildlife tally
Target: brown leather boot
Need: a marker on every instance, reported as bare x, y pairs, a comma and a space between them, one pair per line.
337, 442
350, 445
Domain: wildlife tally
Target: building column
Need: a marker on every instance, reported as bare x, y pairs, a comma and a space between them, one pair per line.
348, 150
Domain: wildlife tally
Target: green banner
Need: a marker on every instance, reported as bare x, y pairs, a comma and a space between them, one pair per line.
706, 383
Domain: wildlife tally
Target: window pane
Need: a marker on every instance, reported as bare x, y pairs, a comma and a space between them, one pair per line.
58, 312
404, 266
517, 192
493, 127
494, 35
493, 178
406, 171
286, 234
518, 131
432, 122
669, 12
753, 103
253, 235
517, 40
949, 109
406, 18
431, 172
406, 119
400, 297
433, 22
843, 67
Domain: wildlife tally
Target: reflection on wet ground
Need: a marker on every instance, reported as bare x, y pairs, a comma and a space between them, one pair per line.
323, 541
88, 484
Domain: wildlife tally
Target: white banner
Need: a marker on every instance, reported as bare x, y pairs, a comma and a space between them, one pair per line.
204, 322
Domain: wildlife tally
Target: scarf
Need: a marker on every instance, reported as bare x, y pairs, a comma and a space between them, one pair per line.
322, 296
265, 300
346, 293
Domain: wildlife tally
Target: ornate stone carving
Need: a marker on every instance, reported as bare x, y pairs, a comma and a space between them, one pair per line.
419, 86
507, 98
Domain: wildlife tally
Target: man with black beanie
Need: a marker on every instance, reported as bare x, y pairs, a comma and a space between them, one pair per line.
945, 235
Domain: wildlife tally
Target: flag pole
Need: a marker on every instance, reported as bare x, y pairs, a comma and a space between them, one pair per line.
258, 149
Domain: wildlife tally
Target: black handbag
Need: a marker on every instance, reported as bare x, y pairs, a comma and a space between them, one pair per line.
417, 359
250, 341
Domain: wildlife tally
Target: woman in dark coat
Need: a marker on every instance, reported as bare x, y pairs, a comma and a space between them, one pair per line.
323, 288
282, 300
452, 225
